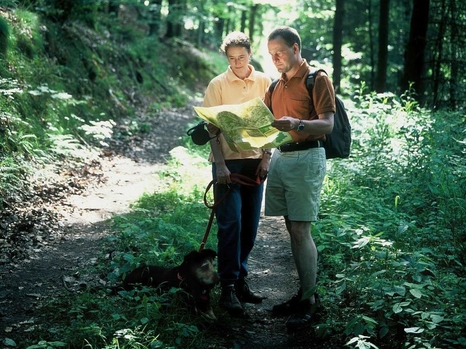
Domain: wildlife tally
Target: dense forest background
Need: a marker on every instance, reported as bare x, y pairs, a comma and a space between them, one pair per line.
388, 45
75, 74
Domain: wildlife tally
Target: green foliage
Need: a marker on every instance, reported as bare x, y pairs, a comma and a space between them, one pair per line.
12, 176
161, 229
4, 36
391, 237
65, 83
393, 219
391, 242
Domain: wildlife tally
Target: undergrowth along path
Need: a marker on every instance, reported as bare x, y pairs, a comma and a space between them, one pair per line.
115, 179
58, 248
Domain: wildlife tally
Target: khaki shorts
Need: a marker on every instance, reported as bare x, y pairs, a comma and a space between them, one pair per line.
294, 184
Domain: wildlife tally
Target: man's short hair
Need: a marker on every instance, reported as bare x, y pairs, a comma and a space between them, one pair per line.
288, 34
235, 39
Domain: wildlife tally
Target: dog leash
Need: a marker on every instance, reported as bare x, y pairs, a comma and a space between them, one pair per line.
236, 178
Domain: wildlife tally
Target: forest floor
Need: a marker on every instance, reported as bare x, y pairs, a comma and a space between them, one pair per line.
49, 238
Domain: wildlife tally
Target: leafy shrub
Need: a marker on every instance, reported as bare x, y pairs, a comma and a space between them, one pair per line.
392, 231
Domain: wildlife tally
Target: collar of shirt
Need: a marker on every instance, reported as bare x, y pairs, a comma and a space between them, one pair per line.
232, 76
302, 71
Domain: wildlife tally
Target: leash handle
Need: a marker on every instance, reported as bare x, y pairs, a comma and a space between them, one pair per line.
245, 180
236, 178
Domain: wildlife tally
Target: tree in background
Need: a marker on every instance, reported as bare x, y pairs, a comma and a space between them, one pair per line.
415, 50
387, 45
337, 42
155, 17
4, 36
446, 57
383, 46
175, 18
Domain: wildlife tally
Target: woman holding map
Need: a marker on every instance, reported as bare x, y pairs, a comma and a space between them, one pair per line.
238, 214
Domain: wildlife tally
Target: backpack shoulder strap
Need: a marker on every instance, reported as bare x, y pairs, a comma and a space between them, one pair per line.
272, 85
311, 78
271, 88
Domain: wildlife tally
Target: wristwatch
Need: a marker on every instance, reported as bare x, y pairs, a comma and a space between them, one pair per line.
301, 125
266, 151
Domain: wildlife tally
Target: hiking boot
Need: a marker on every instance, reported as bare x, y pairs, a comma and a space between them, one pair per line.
302, 317
289, 307
245, 294
305, 313
229, 301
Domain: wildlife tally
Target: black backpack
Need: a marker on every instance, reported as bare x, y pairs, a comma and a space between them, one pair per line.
338, 143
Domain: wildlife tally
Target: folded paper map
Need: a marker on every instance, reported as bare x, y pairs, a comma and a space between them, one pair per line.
246, 125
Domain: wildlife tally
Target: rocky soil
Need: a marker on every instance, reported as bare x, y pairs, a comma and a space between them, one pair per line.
48, 237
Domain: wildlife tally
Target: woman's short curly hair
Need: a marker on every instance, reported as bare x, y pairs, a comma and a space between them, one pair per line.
235, 39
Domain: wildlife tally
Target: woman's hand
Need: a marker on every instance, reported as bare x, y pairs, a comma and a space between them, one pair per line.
223, 174
263, 168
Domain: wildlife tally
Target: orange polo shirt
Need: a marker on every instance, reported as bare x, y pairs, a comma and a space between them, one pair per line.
291, 98
227, 88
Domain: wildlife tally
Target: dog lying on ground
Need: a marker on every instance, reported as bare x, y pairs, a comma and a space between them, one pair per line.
196, 275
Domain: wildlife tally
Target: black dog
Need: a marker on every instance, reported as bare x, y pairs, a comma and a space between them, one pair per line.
196, 275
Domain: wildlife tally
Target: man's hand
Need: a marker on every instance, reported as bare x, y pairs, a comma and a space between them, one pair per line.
286, 123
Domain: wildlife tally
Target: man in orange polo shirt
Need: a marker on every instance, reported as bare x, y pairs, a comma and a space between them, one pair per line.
297, 169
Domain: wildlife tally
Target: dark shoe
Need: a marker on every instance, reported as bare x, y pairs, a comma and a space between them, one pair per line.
302, 318
229, 301
289, 307
245, 294
305, 313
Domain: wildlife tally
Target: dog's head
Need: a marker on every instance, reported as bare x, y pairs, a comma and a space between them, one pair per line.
198, 268
198, 273
199, 277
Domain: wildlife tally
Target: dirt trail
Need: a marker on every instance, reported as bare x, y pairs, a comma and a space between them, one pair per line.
124, 176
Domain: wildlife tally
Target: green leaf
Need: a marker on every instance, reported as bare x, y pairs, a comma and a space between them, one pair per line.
384, 331
359, 329
397, 308
9, 342
369, 320
414, 330
352, 340
437, 318
400, 290
416, 293
361, 242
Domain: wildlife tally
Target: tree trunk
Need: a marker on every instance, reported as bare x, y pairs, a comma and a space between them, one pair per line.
414, 56
252, 17
436, 76
176, 9
371, 44
244, 15
382, 62
155, 17
337, 43
455, 90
